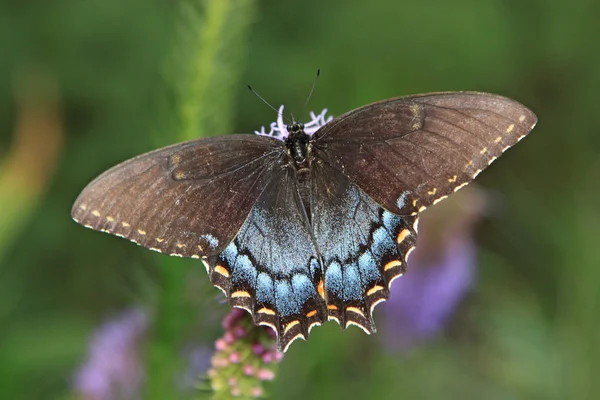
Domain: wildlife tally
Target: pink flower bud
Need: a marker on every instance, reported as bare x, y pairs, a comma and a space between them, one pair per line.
219, 362
239, 332
221, 345
235, 357
256, 391
228, 337
267, 357
248, 370
265, 374
257, 349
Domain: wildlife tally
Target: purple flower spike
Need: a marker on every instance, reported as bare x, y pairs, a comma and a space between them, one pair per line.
245, 357
113, 368
232, 318
440, 272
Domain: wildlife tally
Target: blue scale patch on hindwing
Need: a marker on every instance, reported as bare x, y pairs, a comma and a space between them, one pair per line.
401, 202
265, 291
230, 253
333, 278
367, 267
354, 289
304, 289
244, 271
390, 221
383, 243
285, 301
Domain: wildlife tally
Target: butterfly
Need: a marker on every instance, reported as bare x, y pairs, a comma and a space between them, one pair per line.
311, 224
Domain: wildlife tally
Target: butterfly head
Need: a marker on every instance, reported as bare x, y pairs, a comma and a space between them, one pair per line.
295, 128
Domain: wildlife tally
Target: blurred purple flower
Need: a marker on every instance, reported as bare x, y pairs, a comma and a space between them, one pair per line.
113, 369
441, 270
198, 361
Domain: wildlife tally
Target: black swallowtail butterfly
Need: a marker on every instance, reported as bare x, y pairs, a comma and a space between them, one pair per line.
309, 226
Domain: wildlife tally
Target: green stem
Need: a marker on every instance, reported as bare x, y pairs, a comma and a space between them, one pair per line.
204, 69
214, 67
210, 50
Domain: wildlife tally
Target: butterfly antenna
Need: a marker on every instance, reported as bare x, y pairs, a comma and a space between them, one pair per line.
266, 102
312, 89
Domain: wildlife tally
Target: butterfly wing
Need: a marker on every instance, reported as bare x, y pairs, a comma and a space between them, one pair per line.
272, 269
189, 199
409, 152
363, 247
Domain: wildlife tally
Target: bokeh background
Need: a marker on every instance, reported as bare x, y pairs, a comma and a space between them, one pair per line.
509, 303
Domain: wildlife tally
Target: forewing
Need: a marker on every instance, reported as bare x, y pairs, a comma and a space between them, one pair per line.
363, 247
189, 199
271, 269
407, 153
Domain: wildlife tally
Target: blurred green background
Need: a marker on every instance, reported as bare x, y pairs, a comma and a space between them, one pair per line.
86, 84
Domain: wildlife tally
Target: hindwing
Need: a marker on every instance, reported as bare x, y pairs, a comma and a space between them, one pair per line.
363, 247
271, 268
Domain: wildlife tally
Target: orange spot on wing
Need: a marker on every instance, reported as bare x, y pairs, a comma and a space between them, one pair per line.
267, 311
374, 290
222, 271
392, 264
402, 235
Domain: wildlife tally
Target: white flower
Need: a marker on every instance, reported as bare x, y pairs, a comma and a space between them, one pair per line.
279, 131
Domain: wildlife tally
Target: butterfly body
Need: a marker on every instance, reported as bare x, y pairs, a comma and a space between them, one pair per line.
298, 145
315, 226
